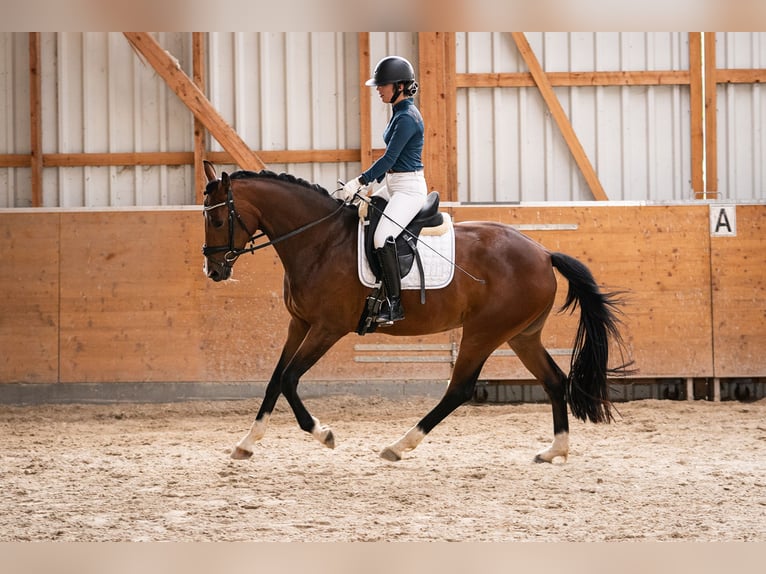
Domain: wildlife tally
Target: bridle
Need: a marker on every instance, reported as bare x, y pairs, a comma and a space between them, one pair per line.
231, 252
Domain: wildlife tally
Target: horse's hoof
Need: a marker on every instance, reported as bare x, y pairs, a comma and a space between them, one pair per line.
329, 440
389, 455
549, 459
241, 454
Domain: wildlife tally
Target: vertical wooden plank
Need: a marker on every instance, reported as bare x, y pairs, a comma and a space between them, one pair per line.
29, 307
198, 73
552, 101
450, 93
739, 296
120, 325
711, 118
697, 114
365, 129
450, 105
437, 81
430, 71
35, 119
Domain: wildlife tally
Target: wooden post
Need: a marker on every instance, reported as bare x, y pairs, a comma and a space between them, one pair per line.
177, 80
689, 389
711, 118
552, 101
35, 119
437, 85
697, 114
716, 390
198, 73
365, 129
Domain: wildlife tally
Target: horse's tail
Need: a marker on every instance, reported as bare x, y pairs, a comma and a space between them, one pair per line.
587, 388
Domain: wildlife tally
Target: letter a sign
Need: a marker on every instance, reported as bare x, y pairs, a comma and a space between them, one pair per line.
723, 220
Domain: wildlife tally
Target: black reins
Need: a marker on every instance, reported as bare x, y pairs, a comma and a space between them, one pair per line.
231, 252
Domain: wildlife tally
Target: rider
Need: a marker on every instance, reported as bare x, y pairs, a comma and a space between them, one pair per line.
402, 167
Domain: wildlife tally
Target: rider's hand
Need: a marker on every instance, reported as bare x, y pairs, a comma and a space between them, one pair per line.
351, 187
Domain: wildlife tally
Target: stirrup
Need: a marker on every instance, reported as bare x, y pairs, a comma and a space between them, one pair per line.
385, 316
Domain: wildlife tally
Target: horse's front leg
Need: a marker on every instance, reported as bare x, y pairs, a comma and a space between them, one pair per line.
316, 343
296, 332
245, 446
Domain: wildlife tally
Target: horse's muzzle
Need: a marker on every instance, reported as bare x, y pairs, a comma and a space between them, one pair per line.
217, 271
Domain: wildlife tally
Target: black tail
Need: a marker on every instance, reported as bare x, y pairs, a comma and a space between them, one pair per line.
587, 387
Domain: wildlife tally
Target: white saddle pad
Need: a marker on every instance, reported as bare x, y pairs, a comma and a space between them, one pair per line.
437, 267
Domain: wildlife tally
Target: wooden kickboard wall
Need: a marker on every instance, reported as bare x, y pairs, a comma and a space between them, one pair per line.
102, 296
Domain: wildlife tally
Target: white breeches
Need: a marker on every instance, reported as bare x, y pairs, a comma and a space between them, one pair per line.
408, 192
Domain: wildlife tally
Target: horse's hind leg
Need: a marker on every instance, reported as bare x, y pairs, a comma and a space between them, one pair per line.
536, 359
467, 368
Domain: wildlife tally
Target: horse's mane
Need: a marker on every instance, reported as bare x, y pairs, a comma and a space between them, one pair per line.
289, 178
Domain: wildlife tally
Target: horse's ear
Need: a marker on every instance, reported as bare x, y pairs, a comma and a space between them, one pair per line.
225, 181
209, 171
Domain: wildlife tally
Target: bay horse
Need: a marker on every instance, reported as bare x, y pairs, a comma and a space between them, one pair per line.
506, 301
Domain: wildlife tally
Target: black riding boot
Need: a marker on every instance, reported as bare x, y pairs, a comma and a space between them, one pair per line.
392, 282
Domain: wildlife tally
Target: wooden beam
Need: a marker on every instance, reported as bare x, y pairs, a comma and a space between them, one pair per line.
696, 113
437, 104
365, 129
177, 80
299, 156
198, 75
179, 158
711, 119
15, 160
574, 79
35, 120
552, 101
127, 158
734, 76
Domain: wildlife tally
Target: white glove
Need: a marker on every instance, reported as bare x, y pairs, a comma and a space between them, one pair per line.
351, 187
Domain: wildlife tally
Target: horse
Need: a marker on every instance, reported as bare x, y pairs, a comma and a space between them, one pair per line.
504, 296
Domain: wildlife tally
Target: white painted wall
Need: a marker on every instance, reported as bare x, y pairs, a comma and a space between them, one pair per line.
300, 91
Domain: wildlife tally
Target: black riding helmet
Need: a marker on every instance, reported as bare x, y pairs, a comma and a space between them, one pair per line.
394, 70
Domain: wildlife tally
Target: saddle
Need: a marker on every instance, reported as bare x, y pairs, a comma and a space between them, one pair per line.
406, 243
406, 249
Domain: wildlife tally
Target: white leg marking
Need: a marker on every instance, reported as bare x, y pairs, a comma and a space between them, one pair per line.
409, 441
256, 433
559, 447
323, 434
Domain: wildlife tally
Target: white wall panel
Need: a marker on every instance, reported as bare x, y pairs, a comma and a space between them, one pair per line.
15, 186
741, 146
300, 91
636, 137
97, 97
289, 91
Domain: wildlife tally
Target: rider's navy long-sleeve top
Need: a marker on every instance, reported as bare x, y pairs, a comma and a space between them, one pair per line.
404, 138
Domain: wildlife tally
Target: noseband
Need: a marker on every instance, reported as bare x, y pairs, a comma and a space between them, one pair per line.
231, 252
